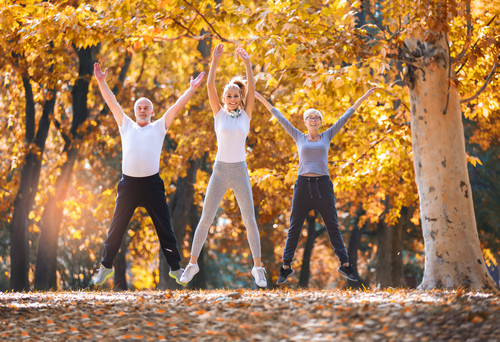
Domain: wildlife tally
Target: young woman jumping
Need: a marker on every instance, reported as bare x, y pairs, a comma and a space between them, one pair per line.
232, 124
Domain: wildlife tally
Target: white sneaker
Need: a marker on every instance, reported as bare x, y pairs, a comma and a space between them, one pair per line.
189, 273
176, 275
103, 274
259, 273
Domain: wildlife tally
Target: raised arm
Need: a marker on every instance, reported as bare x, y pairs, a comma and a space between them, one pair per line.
107, 94
183, 100
212, 92
345, 117
250, 100
289, 128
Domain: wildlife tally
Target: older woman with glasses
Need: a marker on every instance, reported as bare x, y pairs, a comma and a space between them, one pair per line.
313, 189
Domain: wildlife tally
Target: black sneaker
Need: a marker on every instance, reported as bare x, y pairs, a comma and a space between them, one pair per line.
347, 272
284, 274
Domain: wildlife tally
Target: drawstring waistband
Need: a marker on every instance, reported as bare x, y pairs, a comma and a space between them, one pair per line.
314, 180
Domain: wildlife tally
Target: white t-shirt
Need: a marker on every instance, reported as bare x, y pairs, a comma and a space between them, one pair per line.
231, 136
141, 147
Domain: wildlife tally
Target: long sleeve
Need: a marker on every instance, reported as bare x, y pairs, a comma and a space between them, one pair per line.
330, 132
289, 128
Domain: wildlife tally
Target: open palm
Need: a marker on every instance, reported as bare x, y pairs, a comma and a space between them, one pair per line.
99, 74
219, 49
197, 81
242, 53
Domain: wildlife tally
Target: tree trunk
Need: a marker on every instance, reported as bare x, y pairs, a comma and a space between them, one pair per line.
267, 246
30, 176
389, 259
45, 272
453, 255
353, 248
181, 211
183, 197
120, 277
305, 269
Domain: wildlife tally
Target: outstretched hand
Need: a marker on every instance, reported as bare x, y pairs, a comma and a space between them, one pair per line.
364, 97
98, 72
243, 54
197, 81
219, 49
368, 93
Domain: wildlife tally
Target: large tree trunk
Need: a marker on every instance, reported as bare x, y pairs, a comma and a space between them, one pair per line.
45, 273
30, 176
453, 255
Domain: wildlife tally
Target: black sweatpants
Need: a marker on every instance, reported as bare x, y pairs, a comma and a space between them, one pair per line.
314, 193
147, 192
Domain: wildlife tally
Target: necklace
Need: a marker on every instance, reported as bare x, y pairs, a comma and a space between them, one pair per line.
235, 113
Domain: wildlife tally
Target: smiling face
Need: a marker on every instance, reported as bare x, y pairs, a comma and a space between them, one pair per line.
143, 110
313, 119
232, 97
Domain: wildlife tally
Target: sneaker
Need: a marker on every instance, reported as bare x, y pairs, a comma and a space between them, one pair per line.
189, 273
177, 275
347, 272
259, 273
103, 274
284, 274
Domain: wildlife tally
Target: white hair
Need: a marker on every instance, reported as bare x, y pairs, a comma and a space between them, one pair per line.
312, 111
140, 99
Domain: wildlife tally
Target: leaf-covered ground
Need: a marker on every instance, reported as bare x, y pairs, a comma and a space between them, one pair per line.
251, 315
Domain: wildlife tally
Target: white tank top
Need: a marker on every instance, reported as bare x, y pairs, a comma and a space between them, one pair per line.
231, 136
141, 147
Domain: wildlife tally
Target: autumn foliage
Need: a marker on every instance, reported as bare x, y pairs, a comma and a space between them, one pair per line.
320, 54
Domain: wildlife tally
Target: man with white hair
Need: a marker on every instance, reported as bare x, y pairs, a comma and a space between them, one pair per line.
141, 185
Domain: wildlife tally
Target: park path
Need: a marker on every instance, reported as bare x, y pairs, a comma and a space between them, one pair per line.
250, 315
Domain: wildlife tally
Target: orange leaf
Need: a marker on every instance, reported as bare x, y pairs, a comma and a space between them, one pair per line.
150, 324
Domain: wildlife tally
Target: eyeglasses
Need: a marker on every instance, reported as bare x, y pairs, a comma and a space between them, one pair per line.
313, 118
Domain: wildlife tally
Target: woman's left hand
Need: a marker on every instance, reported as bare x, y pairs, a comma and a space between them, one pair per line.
243, 54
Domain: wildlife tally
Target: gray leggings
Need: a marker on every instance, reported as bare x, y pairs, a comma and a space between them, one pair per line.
228, 176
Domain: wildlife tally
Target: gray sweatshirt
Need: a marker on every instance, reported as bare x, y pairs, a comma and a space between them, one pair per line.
313, 155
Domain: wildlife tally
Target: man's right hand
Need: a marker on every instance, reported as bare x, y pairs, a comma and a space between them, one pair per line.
98, 72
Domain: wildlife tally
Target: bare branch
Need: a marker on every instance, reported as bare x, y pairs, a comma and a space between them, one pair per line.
486, 82
184, 27
388, 92
477, 41
469, 33
208, 23
449, 76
